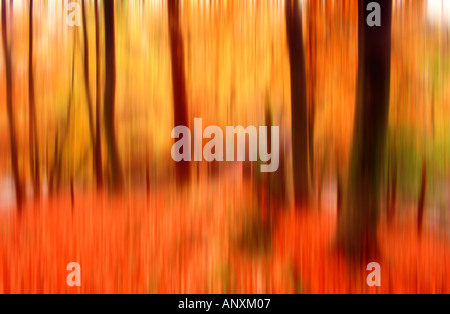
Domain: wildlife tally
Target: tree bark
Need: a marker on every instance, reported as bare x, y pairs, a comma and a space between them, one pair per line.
312, 75
421, 203
10, 112
299, 111
98, 143
392, 186
109, 100
87, 88
180, 110
357, 229
33, 137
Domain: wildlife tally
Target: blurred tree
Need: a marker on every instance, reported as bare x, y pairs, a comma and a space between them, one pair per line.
55, 174
299, 109
180, 110
96, 163
98, 143
109, 100
33, 137
357, 229
312, 78
10, 112
421, 202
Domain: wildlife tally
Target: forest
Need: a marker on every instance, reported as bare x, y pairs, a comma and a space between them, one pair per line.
346, 110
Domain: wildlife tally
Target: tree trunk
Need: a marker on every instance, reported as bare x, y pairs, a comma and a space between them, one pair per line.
109, 100
421, 203
392, 186
299, 109
87, 88
357, 229
56, 173
10, 113
33, 137
180, 110
98, 143
312, 75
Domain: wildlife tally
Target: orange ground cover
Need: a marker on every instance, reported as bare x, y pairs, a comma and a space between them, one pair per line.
185, 242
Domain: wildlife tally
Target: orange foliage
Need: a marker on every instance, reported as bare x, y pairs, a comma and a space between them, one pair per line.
172, 245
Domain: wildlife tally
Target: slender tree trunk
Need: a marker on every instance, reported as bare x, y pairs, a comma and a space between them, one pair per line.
180, 109
86, 74
56, 174
392, 187
312, 60
98, 143
109, 100
357, 229
88, 92
72, 194
421, 203
299, 111
339, 194
10, 112
33, 137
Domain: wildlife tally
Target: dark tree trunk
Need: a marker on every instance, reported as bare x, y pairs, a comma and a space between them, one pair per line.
421, 203
339, 194
98, 143
299, 109
357, 229
33, 137
180, 109
312, 60
109, 100
72, 194
392, 186
10, 112
87, 88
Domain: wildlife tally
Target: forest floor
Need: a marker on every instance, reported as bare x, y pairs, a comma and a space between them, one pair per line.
173, 241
